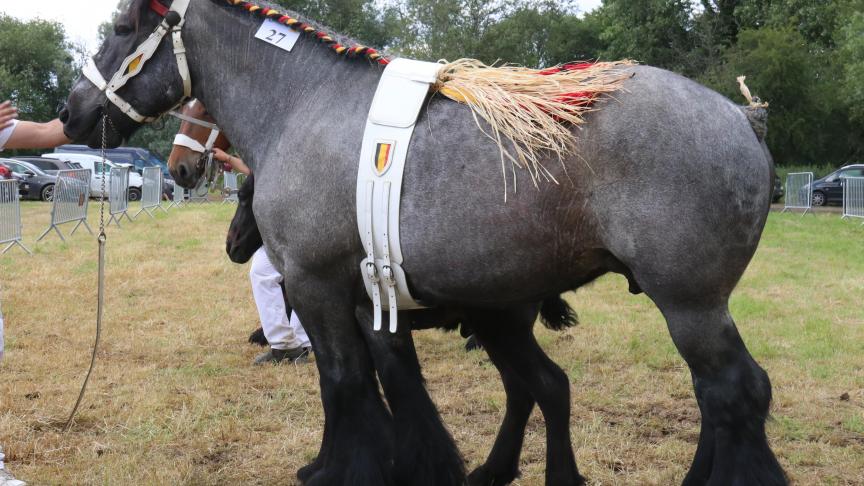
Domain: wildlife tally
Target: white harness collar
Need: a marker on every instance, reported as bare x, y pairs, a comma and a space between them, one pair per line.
142, 54
403, 88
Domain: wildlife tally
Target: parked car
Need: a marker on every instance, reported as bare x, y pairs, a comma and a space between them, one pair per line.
829, 189
5, 172
137, 157
35, 183
94, 163
779, 192
51, 166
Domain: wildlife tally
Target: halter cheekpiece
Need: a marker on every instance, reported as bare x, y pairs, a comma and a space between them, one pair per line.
134, 63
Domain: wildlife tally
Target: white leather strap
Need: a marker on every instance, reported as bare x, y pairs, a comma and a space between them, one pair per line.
387, 275
367, 266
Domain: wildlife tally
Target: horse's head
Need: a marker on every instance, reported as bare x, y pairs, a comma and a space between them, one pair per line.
197, 136
136, 76
244, 239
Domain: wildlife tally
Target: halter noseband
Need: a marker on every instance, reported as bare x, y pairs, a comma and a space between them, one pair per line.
134, 63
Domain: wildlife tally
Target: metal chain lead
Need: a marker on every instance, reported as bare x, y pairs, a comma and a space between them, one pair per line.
100, 299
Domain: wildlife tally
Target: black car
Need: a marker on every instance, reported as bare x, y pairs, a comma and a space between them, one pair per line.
50, 166
829, 189
35, 183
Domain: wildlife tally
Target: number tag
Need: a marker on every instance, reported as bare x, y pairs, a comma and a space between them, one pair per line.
280, 35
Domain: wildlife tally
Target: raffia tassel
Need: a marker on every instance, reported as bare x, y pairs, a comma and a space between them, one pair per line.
533, 108
753, 101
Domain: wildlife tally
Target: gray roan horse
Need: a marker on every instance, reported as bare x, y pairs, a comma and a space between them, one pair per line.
670, 187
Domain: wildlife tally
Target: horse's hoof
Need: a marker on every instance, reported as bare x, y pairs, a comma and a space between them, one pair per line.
307, 471
483, 476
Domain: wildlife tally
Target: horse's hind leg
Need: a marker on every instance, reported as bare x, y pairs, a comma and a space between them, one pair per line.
502, 465
733, 393
528, 375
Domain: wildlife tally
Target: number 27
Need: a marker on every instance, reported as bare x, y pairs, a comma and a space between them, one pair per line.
272, 36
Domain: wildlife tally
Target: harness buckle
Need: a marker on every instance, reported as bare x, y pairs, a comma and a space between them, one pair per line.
372, 272
388, 276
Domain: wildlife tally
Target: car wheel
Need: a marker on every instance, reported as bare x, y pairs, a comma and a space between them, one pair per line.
134, 194
47, 193
818, 199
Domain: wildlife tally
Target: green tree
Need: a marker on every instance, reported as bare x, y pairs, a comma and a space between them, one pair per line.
806, 124
158, 137
851, 57
37, 67
541, 35
656, 32
358, 18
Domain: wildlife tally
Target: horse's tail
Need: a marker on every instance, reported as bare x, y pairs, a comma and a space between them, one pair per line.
556, 314
756, 111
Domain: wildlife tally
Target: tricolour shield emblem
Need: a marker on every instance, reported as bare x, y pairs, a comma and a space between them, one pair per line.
383, 155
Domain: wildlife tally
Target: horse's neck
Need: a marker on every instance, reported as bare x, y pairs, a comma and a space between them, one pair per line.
262, 95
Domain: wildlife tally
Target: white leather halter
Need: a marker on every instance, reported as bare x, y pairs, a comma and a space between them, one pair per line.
139, 58
191, 143
211, 168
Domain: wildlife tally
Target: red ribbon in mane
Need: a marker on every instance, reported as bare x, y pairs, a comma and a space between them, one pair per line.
156, 6
580, 98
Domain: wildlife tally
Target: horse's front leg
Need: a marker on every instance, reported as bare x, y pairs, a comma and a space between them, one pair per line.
425, 453
356, 447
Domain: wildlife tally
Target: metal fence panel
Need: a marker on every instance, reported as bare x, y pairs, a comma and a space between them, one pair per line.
199, 193
230, 186
853, 197
10, 216
71, 197
799, 191
118, 194
151, 194
179, 196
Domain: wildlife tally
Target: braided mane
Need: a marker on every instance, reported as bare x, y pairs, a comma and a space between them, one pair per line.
342, 45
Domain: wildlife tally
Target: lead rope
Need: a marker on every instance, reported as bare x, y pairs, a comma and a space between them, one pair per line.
100, 299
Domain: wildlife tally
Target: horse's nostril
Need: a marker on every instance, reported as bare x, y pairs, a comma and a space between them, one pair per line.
64, 114
184, 172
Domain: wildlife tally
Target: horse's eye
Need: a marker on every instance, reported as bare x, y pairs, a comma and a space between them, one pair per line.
122, 29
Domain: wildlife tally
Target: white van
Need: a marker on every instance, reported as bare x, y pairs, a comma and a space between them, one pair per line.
94, 163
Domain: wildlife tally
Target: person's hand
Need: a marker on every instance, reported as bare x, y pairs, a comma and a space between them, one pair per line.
220, 155
7, 114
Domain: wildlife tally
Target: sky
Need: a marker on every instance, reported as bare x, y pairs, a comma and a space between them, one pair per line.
82, 19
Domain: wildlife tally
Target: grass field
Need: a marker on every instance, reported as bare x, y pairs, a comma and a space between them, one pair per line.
174, 399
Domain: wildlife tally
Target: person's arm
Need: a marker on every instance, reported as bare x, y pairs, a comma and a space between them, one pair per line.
32, 135
8, 114
236, 163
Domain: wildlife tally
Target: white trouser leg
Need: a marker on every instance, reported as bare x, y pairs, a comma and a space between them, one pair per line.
298, 330
271, 304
